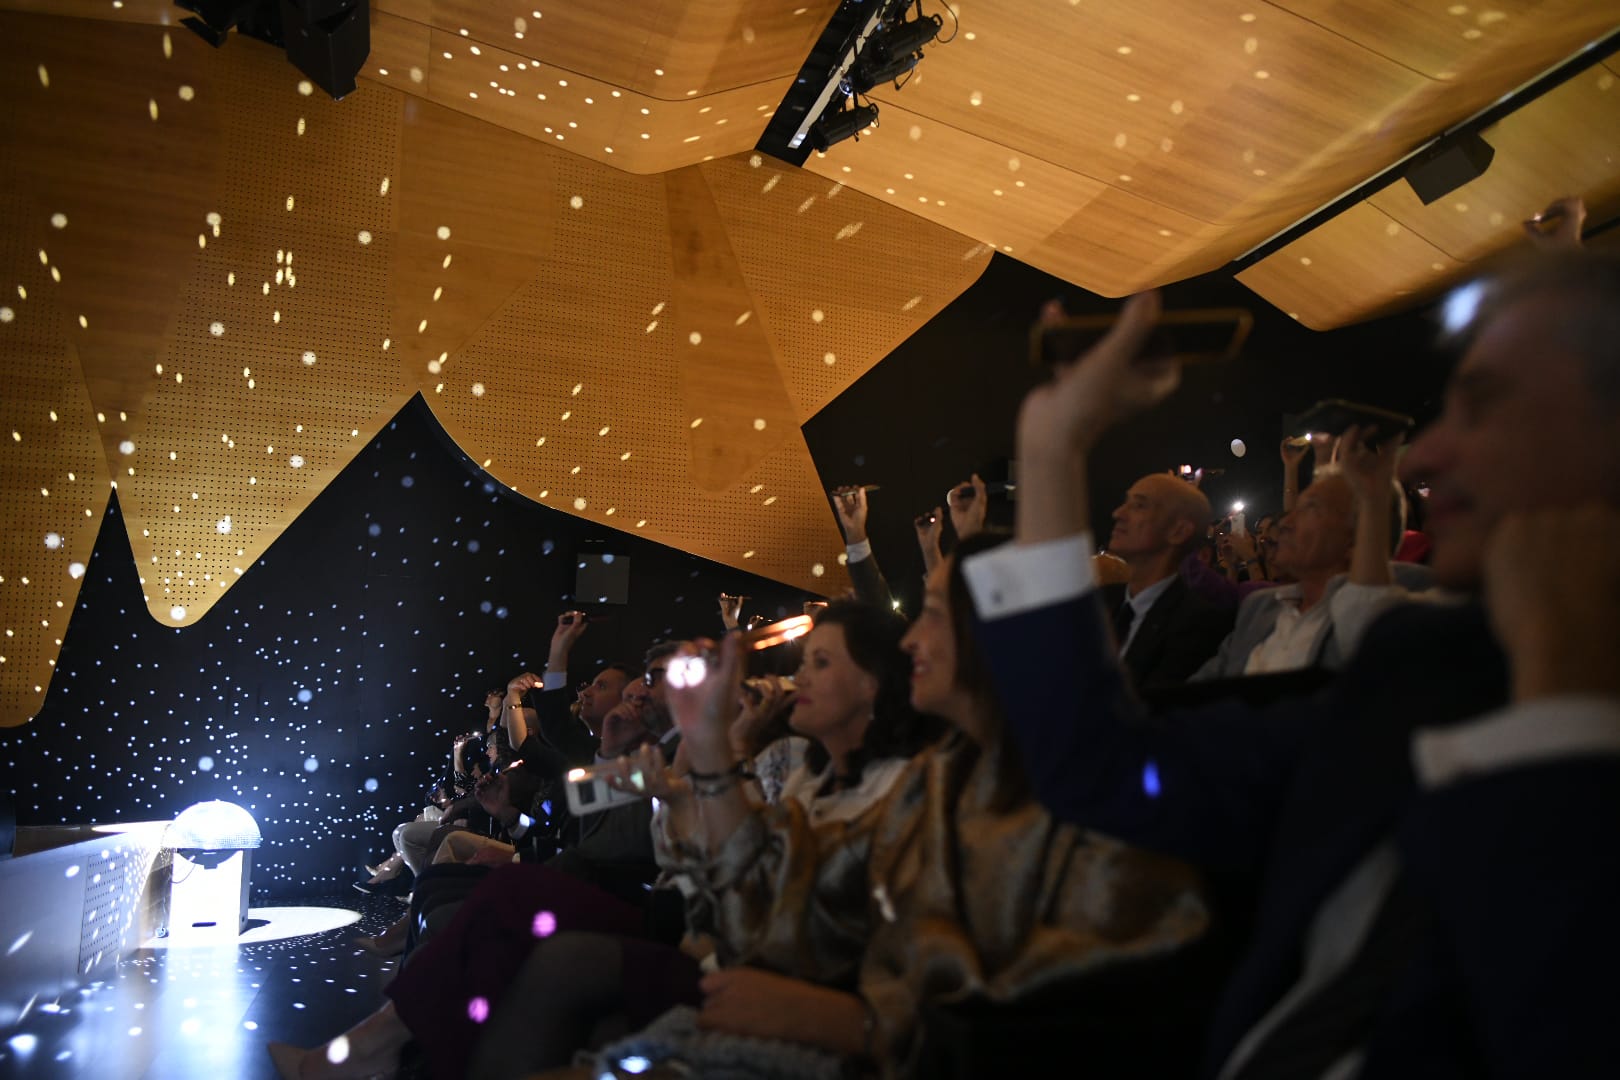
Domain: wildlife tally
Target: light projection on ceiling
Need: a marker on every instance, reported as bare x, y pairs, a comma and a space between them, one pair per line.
222, 305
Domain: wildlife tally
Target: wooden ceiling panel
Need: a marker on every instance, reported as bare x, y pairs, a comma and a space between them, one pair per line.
587, 116
1213, 108
1404, 252
1322, 278
1441, 39
1566, 141
667, 51
837, 278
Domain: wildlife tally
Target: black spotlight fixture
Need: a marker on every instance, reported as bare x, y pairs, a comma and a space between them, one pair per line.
869, 71
841, 124
327, 40
902, 38
892, 52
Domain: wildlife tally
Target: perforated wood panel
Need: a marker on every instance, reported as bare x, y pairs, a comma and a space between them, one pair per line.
53, 478
266, 276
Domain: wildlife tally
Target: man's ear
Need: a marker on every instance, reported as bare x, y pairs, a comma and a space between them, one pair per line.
1181, 533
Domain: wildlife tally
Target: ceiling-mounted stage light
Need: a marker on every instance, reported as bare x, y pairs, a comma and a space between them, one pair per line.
869, 73
892, 52
327, 40
902, 39
843, 124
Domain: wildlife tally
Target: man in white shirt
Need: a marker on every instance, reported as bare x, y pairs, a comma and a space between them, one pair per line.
1316, 622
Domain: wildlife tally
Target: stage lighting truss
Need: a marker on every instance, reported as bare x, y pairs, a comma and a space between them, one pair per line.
327, 40
887, 49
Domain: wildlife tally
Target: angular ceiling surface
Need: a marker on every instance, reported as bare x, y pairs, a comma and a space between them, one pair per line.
549, 220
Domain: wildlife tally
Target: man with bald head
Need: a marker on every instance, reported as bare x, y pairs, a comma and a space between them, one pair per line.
1164, 630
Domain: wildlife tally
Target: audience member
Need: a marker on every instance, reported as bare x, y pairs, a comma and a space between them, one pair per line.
1335, 545
1431, 837
1164, 631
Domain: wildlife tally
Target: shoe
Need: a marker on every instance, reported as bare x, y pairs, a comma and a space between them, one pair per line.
398, 885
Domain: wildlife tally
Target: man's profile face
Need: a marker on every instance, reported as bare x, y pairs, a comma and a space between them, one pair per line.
601, 695
1319, 532
1521, 429
1142, 523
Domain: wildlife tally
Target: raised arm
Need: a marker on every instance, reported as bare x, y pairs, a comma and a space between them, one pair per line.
1202, 786
870, 586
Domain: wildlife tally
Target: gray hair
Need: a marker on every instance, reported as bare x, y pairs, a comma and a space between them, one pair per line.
1584, 284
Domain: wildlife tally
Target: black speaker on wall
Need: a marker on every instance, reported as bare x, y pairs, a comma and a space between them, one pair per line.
1448, 165
328, 40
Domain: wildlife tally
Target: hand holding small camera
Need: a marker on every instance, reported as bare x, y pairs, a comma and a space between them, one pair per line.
929, 526
1293, 450
850, 505
1560, 224
1369, 469
523, 683
731, 609
969, 504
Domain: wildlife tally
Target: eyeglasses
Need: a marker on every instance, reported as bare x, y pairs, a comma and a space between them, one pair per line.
653, 675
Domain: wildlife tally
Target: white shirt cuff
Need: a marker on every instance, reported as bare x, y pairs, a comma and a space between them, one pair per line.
1015, 578
554, 680
1520, 735
861, 549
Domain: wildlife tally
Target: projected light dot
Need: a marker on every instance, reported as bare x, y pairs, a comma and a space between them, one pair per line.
58, 221
53, 540
444, 232
478, 1010
695, 338
305, 696
817, 315
187, 93
579, 504
296, 461
311, 764
576, 202
6, 314
76, 570
309, 358
305, 87
371, 783
545, 924
337, 1051
817, 570
477, 389
216, 328
365, 236
205, 763
177, 613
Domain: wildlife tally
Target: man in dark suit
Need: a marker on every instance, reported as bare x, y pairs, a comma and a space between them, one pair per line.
1165, 631
1431, 838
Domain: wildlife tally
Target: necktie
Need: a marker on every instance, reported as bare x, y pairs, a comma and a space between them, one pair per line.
1124, 616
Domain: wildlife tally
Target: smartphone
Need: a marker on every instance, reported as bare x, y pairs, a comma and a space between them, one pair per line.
588, 792
1334, 416
992, 488
1193, 336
